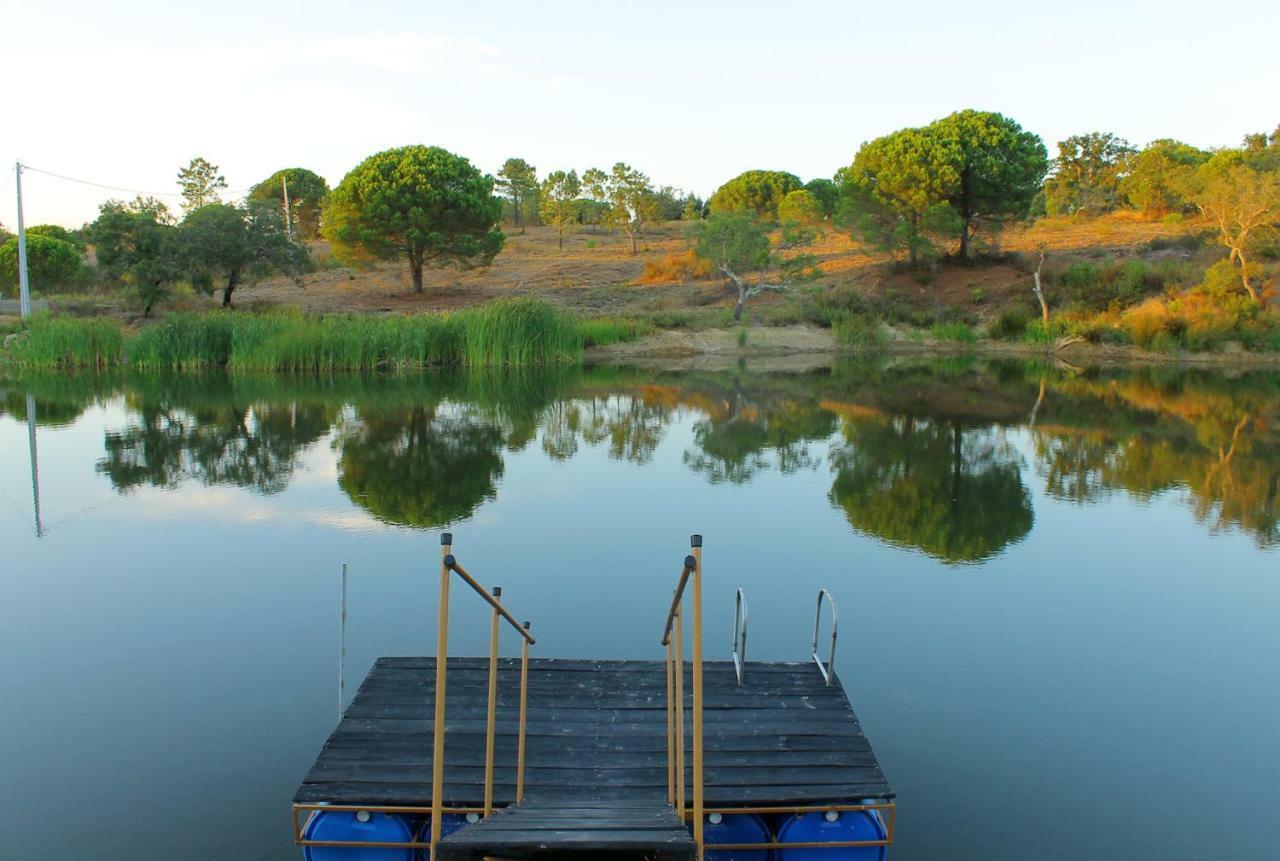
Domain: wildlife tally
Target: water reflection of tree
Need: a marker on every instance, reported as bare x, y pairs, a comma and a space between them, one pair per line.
256, 447
744, 434
629, 425
954, 493
420, 466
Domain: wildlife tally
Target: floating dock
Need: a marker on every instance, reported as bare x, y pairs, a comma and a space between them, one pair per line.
549, 756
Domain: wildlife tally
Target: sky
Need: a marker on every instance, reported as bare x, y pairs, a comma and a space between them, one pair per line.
125, 93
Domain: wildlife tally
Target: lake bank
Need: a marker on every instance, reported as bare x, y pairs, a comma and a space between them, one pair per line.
812, 346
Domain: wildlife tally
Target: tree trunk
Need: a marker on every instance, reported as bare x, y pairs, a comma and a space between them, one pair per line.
1044, 306
632, 233
1244, 278
562, 234
415, 269
742, 303
965, 215
232, 280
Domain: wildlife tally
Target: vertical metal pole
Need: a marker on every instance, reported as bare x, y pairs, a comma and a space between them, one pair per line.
696, 543
35, 462
442, 656
671, 732
24, 285
678, 647
288, 220
524, 703
492, 719
342, 646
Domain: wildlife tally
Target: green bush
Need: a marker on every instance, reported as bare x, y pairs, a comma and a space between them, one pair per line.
53, 265
860, 332
958, 332
1009, 325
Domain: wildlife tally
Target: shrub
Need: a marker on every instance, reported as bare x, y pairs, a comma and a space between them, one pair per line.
677, 266
1009, 325
602, 331
958, 332
857, 331
52, 265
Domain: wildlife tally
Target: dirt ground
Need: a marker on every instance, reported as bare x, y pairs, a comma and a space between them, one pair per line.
596, 274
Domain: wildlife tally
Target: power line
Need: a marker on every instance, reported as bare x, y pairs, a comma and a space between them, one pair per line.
25, 167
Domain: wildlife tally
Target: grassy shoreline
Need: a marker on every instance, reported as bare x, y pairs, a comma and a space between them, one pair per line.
509, 332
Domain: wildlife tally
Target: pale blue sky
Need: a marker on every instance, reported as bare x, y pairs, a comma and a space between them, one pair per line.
691, 93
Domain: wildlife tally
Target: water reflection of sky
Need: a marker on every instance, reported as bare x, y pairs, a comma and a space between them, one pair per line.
1101, 663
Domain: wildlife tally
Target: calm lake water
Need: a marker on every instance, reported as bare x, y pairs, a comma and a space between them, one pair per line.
1058, 591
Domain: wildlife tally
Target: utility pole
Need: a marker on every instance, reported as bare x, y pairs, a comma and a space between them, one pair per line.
24, 286
288, 221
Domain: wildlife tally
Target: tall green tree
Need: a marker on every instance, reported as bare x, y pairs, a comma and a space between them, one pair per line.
421, 204
51, 264
998, 168
559, 200
759, 191
57, 231
224, 242
307, 195
827, 191
518, 183
137, 244
200, 183
896, 194
1087, 174
629, 195
1161, 177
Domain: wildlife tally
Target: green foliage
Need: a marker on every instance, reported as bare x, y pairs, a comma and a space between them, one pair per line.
1239, 192
517, 181
760, 191
520, 331
957, 332
602, 331
1087, 174
308, 193
627, 194
827, 192
51, 264
200, 183
1160, 178
559, 200
800, 206
859, 332
998, 166
1009, 325
668, 203
69, 342
220, 241
736, 241
422, 204
54, 231
135, 244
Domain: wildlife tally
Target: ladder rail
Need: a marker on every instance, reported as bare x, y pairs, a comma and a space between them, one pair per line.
828, 671
739, 646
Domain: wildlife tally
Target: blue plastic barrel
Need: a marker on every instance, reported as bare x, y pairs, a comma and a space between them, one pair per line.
363, 826
832, 827
735, 828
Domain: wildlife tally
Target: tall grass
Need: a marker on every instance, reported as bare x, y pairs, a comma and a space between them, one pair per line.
69, 342
507, 332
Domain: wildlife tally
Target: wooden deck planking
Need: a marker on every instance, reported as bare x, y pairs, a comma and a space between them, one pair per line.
596, 729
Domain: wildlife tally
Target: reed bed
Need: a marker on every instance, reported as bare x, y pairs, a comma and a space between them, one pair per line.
508, 332
69, 342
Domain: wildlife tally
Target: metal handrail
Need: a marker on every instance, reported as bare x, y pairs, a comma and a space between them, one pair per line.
740, 634
828, 672
449, 565
672, 638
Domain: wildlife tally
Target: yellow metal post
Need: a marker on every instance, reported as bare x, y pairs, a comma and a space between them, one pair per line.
524, 701
442, 657
671, 733
677, 640
696, 543
492, 719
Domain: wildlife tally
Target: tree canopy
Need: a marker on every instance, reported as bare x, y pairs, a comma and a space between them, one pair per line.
421, 204
1243, 204
559, 200
759, 191
1088, 174
627, 193
135, 243
518, 182
220, 241
51, 264
307, 195
200, 183
1160, 178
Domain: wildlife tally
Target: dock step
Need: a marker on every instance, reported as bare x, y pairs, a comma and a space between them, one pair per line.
554, 827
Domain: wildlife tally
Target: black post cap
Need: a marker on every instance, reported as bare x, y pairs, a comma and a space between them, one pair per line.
497, 591
446, 538
449, 561
695, 540
526, 625
690, 563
